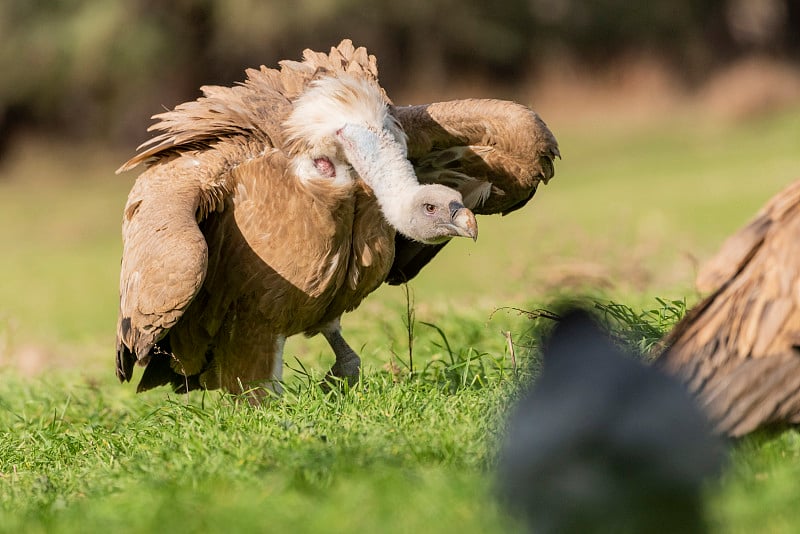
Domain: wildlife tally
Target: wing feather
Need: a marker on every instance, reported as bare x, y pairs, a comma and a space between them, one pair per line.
737, 249
501, 143
495, 152
253, 110
737, 350
191, 160
164, 258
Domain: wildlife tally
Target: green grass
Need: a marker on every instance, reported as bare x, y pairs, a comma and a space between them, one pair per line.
631, 212
374, 457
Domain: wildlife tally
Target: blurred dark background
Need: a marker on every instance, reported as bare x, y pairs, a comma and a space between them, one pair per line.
93, 69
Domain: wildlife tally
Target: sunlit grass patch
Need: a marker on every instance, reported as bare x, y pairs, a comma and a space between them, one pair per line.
629, 215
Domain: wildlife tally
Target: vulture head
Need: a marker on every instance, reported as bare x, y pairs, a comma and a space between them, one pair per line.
436, 213
341, 129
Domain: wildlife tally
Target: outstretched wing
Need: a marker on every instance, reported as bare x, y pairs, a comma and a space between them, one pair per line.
738, 349
494, 152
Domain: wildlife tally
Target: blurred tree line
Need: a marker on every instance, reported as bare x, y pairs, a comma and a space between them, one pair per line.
94, 68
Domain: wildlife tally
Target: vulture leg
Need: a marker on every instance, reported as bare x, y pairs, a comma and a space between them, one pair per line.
348, 364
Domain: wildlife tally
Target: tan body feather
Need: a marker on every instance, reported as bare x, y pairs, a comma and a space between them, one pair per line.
737, 350
229, 248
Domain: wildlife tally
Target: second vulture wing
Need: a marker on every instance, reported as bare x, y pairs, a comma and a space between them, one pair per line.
494, 152
737, 350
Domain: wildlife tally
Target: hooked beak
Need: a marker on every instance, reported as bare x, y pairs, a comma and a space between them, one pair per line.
464, 223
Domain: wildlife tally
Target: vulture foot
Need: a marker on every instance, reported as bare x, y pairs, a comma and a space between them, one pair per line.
347, 368
348, 365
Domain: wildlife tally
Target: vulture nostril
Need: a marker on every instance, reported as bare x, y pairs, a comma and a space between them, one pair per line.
454, 207
325, 167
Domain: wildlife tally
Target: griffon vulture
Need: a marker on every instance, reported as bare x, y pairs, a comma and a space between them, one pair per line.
738, 350
270, 208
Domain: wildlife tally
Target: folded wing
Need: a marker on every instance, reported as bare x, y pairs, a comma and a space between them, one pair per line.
164, 260
737, 350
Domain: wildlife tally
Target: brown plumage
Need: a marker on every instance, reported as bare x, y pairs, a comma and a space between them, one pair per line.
270, 208
737, 350
494, 152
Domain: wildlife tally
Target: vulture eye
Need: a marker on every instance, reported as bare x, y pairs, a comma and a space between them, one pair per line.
430, 209
325, 167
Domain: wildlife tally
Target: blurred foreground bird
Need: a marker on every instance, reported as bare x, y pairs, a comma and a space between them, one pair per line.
603, 443
738, 350
270, 208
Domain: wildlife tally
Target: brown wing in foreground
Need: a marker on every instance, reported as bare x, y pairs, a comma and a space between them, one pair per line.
495, 153
738, 349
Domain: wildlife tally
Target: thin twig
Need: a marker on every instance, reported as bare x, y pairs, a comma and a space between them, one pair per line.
410, 327
510, 343
533, 314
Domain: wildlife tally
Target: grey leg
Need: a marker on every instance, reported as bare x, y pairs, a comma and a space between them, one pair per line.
347, 363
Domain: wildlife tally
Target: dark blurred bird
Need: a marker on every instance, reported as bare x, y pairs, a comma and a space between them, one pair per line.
738, 350
271, 208
604, 443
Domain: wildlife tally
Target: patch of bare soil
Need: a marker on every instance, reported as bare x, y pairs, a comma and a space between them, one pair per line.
750, 87
643, 88
28, 360
630, 89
